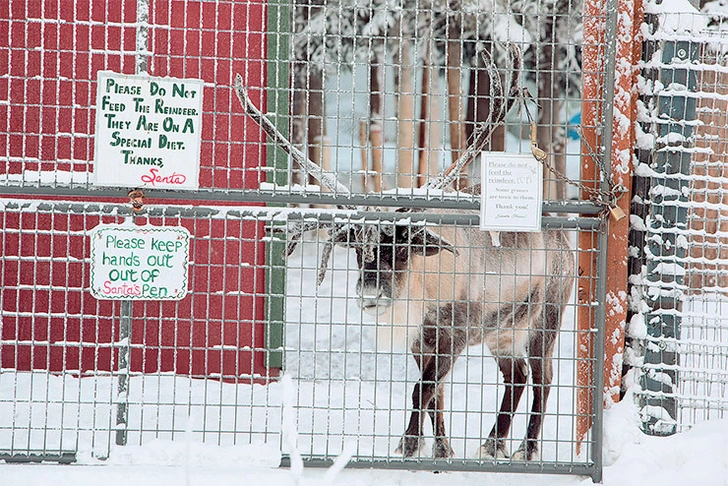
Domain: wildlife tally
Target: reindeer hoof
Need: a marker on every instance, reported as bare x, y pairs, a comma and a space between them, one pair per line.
492, 449
525, 453
442, 449
410, 446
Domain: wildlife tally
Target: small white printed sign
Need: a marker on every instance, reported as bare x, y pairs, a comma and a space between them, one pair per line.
139, 262
147, 131
511, 192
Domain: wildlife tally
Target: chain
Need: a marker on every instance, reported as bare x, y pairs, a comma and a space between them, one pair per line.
606, 198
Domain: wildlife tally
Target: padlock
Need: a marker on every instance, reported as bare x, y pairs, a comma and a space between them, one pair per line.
538, 153
535, 150
617, 213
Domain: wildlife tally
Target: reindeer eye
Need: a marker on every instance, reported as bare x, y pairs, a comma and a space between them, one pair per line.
402, 253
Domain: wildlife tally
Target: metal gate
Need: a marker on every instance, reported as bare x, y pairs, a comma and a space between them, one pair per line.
385, 96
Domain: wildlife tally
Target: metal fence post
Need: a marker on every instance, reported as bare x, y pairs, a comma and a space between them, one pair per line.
279, 27
660, 197
124, 344
122, 396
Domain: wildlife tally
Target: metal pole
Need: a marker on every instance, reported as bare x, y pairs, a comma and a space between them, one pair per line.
592, 175
666, 215
124, 343
122, 396
142, 37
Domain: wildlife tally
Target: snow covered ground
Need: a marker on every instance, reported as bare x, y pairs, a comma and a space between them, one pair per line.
697, 457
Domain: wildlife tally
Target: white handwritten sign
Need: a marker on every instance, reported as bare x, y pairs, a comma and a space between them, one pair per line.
511, 192
147, 131
139, 262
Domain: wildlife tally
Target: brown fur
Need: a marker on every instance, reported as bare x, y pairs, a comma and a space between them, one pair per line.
510, 297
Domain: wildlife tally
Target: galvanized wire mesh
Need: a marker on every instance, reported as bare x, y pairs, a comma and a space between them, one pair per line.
678, 333
198, 367
384, 95
395, 90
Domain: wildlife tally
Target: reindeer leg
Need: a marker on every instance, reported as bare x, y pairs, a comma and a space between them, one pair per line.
540, 351
515, 374
424, 392
440, 346
441, 448
409, 446
542, 375
422, 396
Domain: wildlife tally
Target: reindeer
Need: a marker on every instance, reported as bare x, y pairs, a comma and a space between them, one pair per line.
456, 286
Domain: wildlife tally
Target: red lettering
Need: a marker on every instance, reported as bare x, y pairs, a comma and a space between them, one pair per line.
154, 178
123, 289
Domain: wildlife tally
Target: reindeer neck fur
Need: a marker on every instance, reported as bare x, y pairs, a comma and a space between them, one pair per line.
494, 282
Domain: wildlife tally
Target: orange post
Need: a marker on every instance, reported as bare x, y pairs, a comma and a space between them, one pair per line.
628, 48
591, 114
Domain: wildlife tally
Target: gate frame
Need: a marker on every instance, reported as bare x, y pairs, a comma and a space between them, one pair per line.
621, 39
278, 78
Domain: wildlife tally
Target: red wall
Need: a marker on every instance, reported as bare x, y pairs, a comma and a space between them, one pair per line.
49, 320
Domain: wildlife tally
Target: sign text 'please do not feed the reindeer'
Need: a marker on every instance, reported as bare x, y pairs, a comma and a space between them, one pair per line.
147, 131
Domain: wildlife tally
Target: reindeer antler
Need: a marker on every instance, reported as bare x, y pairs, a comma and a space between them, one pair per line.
367, 235
328, 179
500, 106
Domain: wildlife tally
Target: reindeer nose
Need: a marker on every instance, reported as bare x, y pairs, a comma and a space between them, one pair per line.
369, 299
373, 303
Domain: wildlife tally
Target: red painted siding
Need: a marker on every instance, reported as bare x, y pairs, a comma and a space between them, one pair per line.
52, 52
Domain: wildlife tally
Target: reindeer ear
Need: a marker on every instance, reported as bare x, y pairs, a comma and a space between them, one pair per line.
345, 237
424, 242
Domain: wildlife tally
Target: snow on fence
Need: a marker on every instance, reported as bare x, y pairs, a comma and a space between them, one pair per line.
385, 98
353, 374
677, 333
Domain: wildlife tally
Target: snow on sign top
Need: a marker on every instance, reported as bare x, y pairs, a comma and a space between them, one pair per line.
139, 262
147, 131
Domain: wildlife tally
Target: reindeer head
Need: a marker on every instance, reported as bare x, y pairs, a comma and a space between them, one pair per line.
383, 255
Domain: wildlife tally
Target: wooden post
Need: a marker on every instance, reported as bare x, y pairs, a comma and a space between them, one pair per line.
551, 137
423, 142
405, 117
371, 140
376, 140
454, 71
623, 141
321, 152
364, 148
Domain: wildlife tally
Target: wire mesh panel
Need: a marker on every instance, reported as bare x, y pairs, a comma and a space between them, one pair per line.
372, 356
677, 330
388, 94
55, 51
385, 96
392, 93
62, 349
199, 375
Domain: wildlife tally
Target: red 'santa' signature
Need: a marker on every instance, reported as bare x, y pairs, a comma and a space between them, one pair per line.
154, 178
